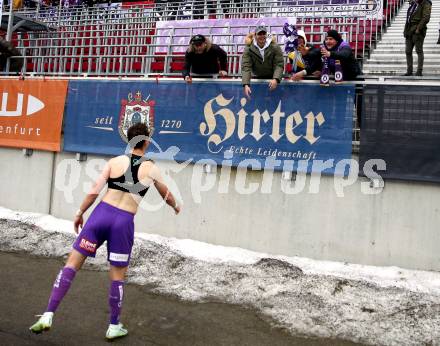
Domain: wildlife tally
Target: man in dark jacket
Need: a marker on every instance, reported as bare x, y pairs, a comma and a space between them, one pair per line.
335, 48
7, 50
205, 58
418, 15
262, 57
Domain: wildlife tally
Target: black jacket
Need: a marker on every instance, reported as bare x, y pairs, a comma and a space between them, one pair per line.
205, 63
312, 60
7, 50
350, 66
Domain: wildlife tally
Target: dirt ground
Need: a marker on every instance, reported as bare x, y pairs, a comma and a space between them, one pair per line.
151, 319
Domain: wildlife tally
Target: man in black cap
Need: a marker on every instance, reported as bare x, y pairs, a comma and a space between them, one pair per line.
335, 48
204, 58
418, 15
263, 58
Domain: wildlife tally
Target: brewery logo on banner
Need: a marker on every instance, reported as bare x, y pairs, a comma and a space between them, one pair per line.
136, 110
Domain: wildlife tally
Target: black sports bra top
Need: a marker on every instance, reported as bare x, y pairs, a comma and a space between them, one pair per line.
129, 182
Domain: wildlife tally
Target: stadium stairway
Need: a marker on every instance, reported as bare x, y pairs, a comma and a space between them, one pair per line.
388, 58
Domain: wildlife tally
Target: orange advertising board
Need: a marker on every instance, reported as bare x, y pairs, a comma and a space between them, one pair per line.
31, 113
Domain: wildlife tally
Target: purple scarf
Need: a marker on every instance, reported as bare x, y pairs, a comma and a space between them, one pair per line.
337, 48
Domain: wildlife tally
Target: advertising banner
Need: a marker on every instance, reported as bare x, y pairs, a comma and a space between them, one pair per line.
31, 113
295, 122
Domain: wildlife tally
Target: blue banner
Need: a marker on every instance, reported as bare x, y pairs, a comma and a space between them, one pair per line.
213, 120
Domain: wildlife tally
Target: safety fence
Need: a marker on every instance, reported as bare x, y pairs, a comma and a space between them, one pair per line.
128, 40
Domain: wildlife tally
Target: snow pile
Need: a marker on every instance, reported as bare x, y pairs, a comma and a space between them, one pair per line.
373, 305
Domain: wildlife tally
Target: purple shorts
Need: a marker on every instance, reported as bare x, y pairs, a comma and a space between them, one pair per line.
112, 224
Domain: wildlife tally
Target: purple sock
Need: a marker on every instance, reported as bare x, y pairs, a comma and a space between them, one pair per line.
115, 300
60, 287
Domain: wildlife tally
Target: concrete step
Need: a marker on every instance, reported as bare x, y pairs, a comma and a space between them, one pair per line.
400, 73
396, 30
428, 49
401, 50
434, 48
399, 70
434, 13
402, 20
402, 14
401, 60
386, 56
399, 35
400, 32
395, 24
395, 38
431, 24
428, 43
398, 63
431, 56
398, 66
401, 23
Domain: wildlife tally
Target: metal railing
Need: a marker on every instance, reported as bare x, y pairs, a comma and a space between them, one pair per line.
108, 41
207, 9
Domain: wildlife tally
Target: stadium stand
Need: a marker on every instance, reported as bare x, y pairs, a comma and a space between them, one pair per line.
126, 40
389, 57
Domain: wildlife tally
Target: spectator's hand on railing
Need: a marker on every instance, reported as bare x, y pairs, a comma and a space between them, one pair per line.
188, 79
316, 74
297, 76
273, 84
222, 73
247, 91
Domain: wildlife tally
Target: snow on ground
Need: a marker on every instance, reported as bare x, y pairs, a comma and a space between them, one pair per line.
372, 305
